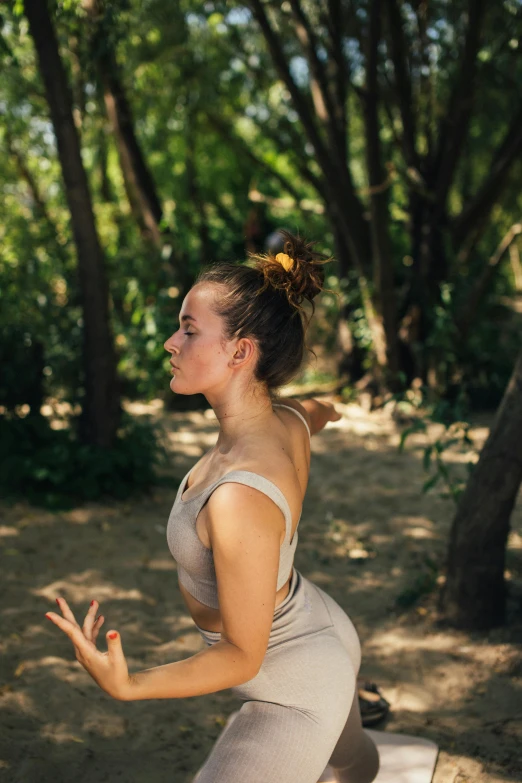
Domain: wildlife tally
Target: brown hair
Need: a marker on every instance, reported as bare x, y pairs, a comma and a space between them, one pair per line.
263, 300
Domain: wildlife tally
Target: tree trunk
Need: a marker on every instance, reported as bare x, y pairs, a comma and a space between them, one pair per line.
351, 357
198, 206
474, 595
344, 206
138, 180
383, 276
139, 183
102, 405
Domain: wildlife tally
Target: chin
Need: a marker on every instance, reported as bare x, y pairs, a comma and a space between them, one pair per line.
180, 390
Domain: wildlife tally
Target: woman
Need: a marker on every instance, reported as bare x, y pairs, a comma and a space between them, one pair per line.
283, 645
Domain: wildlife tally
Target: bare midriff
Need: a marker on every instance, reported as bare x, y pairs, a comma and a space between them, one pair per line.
209, 619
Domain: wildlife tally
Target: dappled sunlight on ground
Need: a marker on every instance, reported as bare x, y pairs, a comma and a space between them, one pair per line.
368, 536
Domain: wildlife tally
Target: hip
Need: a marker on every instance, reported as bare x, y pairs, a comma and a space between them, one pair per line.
313, 652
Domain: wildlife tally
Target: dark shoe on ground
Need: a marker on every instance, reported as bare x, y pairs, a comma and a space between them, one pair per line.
374, 707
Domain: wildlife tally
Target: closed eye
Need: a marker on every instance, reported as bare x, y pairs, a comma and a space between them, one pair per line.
189, 334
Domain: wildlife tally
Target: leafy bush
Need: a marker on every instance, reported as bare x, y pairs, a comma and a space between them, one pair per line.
52, 468
451, 415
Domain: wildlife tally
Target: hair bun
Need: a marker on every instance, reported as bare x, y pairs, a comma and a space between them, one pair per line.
298, 269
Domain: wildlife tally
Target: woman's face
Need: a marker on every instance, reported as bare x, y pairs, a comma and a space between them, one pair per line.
200, 356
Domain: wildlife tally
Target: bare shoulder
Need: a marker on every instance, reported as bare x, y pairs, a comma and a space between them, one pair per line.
298, 406
231, 503
227, 509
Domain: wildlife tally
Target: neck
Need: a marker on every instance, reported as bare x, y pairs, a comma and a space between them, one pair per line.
241, 414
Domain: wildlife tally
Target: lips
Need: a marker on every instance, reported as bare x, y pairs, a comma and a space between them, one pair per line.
173, 366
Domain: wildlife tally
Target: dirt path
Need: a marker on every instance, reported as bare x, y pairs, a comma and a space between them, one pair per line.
367, 535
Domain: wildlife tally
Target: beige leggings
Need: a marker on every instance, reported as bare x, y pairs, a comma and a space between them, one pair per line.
301, 711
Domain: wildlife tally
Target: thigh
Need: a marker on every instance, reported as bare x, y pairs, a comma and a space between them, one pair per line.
268, 743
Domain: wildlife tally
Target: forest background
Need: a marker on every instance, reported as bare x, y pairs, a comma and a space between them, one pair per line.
144, 140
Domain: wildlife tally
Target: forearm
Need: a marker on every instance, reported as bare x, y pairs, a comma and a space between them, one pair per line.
221, 666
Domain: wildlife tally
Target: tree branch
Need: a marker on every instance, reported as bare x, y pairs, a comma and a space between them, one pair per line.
455, 122
283, 69
484, 281
294, 151
426, 89
382, 261
335, 25
34, 190
402, 81
342, 198
324, 102
228, 133
478, 209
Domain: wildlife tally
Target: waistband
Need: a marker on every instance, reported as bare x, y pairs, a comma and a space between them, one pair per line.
296, 581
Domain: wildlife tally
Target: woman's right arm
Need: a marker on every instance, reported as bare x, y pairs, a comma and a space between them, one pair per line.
317, 414
320, 413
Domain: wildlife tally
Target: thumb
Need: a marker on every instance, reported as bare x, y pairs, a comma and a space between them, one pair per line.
114, 646
335, 414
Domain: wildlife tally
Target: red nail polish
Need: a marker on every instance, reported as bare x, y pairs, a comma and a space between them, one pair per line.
49, 618
92, 602
58, 601
113, 635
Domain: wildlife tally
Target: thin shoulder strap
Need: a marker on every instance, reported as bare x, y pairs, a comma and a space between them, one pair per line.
263, 485
288, 407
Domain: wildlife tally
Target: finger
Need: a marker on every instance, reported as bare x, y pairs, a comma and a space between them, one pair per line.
89, 619
67, 613
96, 627
72, 630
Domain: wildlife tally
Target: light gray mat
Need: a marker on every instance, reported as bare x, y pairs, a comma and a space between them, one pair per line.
404, 759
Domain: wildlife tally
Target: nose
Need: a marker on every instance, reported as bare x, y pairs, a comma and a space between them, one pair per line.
170, 344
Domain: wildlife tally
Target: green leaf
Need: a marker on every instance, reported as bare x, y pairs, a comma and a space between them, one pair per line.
431, 482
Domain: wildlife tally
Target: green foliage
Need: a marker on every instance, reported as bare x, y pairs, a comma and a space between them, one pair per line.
455, 433
226, 152
52, 468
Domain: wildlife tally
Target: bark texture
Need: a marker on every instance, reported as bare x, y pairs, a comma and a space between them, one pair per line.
101, 407
474, 596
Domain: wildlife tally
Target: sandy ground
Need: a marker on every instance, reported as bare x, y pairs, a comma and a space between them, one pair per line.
367, 535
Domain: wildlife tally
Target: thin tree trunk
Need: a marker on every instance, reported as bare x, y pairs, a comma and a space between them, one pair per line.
139, 183
477, 211
516, 266
102, 405
382, 257
484, 281
345, 209
25, 174
138, 180
193, 190
474, 595
106, 189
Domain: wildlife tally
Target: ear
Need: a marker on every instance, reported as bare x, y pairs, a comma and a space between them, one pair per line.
244, 352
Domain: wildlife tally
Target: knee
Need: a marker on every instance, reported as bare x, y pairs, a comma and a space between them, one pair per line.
363, 766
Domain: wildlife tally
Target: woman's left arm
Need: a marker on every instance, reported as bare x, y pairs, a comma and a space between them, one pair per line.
245, 529
218, 667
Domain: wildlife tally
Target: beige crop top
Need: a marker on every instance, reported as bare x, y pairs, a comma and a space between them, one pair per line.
195, 561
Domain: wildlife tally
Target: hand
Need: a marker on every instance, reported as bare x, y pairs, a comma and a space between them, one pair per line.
334, 414
109, 670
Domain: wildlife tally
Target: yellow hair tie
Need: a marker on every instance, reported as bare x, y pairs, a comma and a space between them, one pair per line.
286, 261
